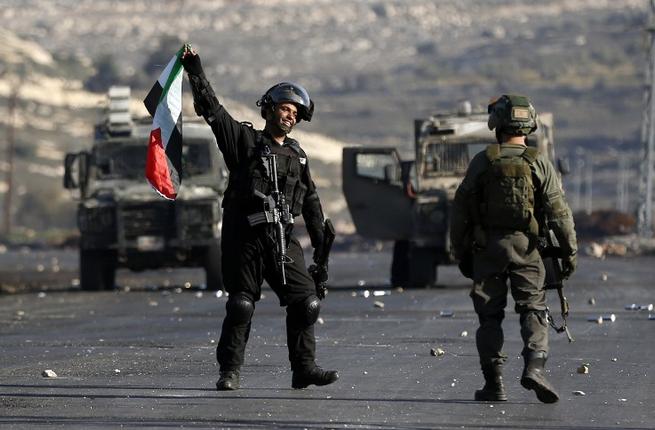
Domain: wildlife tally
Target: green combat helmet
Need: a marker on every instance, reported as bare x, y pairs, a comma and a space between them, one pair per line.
512, 114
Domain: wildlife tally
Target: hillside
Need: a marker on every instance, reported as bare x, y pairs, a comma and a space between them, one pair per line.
55, 115
372, 66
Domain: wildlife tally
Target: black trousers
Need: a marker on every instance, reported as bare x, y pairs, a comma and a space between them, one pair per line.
248, 258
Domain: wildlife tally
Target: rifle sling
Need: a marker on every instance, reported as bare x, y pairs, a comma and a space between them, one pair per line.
565, 312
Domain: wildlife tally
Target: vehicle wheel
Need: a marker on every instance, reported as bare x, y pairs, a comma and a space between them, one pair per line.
97, 270
400, 264
213, 274
422, 267
109, 271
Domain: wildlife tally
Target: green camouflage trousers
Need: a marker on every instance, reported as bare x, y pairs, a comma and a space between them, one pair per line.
509, 257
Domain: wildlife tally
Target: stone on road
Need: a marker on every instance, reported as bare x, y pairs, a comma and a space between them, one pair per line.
122, 361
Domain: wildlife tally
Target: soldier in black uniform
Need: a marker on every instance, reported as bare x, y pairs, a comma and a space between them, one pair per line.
249, 251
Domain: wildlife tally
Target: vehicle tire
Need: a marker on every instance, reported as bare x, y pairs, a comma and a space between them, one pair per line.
422, 267
212, 265
109, 271
97, 270
400, 264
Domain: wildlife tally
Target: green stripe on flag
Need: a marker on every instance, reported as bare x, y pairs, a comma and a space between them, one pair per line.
175, 71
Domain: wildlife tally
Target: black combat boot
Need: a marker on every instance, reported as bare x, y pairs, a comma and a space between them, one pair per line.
533, 377
302, 378
493, 390
228, 380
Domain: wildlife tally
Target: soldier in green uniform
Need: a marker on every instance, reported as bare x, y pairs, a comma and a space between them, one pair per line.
509, 192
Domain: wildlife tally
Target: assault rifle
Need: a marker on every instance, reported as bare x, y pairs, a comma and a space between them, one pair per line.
276, 212
551, 254
319, 270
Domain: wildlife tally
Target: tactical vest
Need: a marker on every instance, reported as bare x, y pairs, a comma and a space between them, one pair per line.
252, 176
507, 192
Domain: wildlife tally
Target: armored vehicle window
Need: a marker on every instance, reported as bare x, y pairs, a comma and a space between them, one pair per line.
122, 159
384, 167
196, 159
450, 158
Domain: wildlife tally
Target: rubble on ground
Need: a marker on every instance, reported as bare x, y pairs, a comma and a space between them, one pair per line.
620, 246
437, 352
48, 373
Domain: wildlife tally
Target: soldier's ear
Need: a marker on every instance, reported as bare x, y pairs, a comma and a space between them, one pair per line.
269, 111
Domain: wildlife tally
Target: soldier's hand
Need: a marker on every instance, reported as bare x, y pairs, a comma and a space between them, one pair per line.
320, 276
191, 61
569, 265
319, 273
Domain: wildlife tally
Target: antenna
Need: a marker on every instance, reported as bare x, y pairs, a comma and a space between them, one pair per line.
645, 214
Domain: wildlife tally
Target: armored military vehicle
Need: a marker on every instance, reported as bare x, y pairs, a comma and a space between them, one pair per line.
123, 222
409, 202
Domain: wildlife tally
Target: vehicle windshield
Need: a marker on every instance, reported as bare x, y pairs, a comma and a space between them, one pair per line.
127, 160
450, 158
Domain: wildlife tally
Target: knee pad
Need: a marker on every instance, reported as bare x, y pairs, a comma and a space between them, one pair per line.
239, 309
306, 312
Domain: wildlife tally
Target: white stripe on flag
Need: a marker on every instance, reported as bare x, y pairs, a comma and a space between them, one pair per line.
167, 71
169, 109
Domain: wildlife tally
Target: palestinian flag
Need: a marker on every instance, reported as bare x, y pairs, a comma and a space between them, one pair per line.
164, 102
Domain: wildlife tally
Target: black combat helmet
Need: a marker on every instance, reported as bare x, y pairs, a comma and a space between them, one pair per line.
512, 114
290, 93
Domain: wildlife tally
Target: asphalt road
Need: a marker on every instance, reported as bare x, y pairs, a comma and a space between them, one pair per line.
143, 356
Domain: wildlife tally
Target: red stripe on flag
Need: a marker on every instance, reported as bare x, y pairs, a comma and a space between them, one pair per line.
157, 171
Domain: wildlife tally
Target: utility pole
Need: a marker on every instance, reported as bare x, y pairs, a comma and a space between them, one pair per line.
589, 181
622, 190
9, 173
645, 215
577, 184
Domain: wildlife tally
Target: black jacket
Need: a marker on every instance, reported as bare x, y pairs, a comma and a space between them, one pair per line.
241, 146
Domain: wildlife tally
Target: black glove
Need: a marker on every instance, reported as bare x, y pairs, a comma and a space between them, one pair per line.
569, 265
319, 274
191, 61
317, 238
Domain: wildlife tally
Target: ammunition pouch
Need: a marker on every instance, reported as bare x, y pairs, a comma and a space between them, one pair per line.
254, 182
298, 197
508, 200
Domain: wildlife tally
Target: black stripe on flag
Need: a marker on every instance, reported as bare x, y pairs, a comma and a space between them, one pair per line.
174, 154
152, 99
